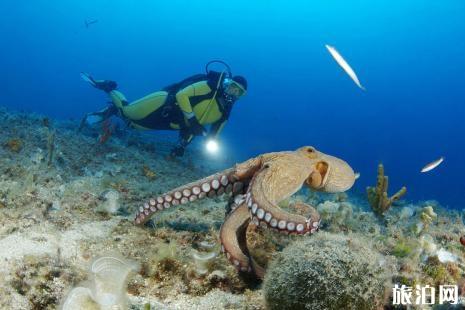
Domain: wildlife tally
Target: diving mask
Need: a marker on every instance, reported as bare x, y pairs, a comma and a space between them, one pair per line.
233, 89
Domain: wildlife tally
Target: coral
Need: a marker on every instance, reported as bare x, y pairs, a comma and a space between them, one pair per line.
326, 272
427, 215
378, 197
108, 285
202, 261
79, 298
44, 208
204, 257
14, 145
428, 245
110, 273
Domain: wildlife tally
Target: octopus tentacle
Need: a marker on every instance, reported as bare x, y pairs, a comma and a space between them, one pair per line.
247, 169
234, 244
262, 200
216, 184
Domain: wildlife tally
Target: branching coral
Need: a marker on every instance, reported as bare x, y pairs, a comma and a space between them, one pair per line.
378, 197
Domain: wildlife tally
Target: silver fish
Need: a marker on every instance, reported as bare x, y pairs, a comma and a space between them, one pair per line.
344, 65
433, 164
357, 175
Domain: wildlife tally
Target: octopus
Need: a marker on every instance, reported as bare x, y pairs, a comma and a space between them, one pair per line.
257, 187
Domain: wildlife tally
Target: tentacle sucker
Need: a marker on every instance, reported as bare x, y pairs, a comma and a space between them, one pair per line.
262, 203
217, 184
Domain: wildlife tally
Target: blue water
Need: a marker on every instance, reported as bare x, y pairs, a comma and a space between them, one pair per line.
410, 55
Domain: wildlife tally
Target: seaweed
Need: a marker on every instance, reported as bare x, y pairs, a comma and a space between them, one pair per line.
402, 250
148, 173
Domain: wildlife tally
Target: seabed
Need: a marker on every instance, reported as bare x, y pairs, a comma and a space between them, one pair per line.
67, 199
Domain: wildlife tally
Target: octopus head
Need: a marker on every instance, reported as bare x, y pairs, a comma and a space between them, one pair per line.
328, 173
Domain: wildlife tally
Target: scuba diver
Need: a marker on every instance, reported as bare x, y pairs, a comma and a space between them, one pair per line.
187, 106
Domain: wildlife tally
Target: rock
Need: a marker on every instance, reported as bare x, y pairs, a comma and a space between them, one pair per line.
326, 272
446, 256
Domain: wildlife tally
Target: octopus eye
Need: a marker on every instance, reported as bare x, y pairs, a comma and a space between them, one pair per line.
310, 152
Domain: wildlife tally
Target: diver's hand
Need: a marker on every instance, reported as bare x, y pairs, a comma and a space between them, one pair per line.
178, 151
211, 135
195, 128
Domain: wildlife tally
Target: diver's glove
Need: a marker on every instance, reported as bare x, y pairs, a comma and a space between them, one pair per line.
178, 151
195, 128
212, 135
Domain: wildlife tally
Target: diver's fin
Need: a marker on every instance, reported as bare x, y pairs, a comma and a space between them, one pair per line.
86, 77
90, 119
93, 118
105, 85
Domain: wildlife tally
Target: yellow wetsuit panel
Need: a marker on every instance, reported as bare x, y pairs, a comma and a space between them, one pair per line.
118, 98
196, 89
207, 111
141, 108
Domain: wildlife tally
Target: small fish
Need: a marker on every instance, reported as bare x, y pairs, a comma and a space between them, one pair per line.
432, 165
91, 22
344, 65
357, 175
